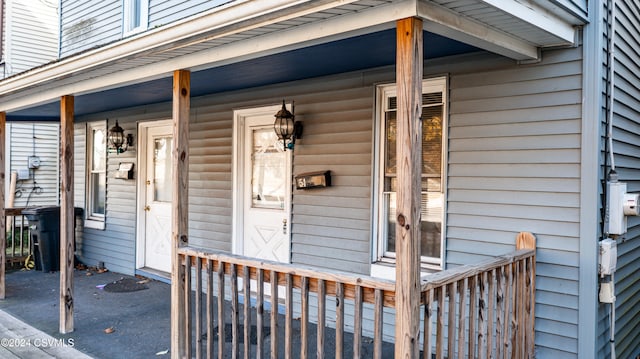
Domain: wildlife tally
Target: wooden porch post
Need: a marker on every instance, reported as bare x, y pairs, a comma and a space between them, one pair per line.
409, 169
180, 333
3, 230
67, 215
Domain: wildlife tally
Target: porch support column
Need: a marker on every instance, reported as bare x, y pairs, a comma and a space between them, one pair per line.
3, 221
409, 169
67, 229
180, 333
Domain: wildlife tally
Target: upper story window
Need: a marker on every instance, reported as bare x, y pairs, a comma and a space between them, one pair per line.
96, 174
432, 178
136, 16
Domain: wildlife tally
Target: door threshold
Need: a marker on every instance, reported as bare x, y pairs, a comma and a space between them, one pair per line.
160, 276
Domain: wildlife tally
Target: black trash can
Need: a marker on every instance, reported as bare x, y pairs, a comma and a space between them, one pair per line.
44, 222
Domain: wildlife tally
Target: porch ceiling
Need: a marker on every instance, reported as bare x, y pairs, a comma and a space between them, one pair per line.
243, 45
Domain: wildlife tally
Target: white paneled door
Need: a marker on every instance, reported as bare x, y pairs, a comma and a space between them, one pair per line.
264, 188
157, 192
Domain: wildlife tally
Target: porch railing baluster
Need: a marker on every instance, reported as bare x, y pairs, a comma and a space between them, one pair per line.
235, 320
357, 323
482, 316
187, 305
473, 305
198, 308
427, 324
490, 311
322, 300
288, 327
221, 318
378, 314
462, 295
304, 318
259, 313
484, 310
508, 311
500, 299
440, 324
531, 318
451, 323
210, 312
246, 291
339, 320
274, 314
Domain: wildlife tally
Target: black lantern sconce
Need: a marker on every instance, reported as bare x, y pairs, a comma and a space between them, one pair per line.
286, 127
119, 142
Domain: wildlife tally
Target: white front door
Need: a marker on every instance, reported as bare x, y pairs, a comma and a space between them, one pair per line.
156, 192
263, 187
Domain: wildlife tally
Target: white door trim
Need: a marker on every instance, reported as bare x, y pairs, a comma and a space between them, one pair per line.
238, 168
143, 128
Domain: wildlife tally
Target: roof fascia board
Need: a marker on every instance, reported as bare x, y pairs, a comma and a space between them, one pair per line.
538, 17
354, 24
447, 23
233, 18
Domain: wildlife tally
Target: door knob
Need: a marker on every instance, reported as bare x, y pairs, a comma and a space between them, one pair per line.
147, 208
284, 226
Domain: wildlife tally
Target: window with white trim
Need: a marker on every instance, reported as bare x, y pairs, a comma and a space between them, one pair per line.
96, 171
433, 159
136, 16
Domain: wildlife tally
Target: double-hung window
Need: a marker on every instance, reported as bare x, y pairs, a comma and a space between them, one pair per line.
96, 174
136, 16
432, 177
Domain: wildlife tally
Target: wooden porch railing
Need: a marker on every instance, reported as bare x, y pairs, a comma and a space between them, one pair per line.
476, 311
18, 245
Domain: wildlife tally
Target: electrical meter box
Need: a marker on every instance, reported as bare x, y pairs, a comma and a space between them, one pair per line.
33, 162
608, 256
616, 218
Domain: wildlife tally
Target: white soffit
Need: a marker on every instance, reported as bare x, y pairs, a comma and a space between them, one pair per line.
516, 29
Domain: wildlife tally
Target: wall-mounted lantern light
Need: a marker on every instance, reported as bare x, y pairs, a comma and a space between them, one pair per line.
286, 127
119, 142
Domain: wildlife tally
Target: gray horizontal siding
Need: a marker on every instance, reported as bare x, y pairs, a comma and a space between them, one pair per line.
626, 148
162, 12
514, 165
88, 24
31, 35
333, 227
115, 245
577, 7
42, 140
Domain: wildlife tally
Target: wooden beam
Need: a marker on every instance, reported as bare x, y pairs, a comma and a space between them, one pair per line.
409, 168
67, 229
180, 343
3, 230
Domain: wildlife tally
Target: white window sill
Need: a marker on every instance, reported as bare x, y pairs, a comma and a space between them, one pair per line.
92, 223
388, 271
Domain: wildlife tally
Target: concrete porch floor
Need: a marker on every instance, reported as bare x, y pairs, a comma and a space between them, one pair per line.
140, 319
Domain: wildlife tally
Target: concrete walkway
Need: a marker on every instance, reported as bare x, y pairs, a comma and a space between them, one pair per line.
108, 324
21, 341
